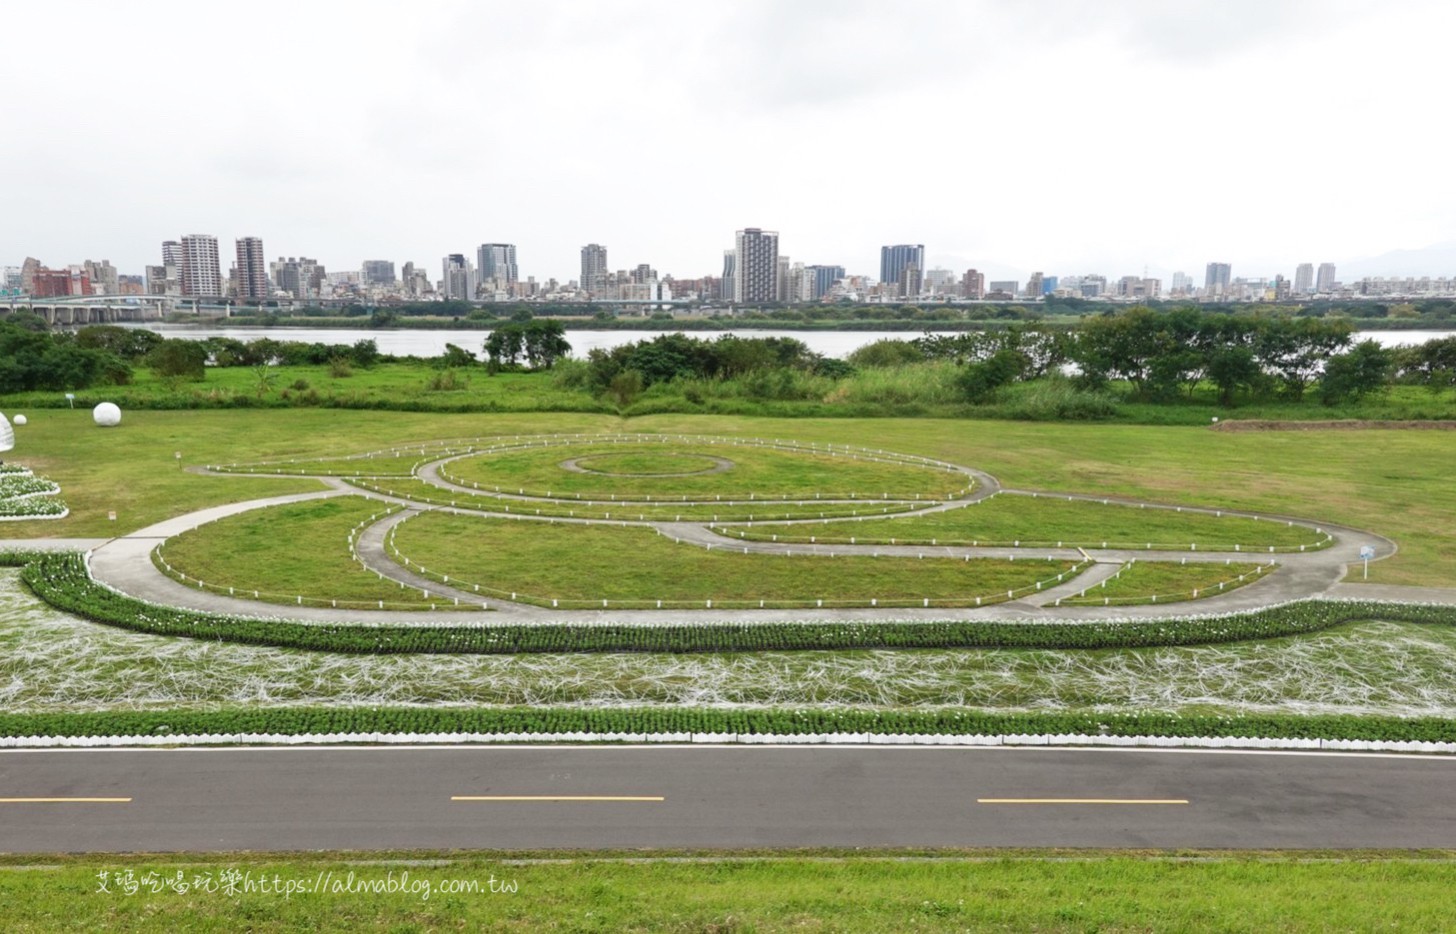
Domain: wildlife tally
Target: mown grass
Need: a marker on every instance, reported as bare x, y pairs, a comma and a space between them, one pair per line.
421, 492
1393, 482
1048, 520
826, 891
756, 471
283, 552
1168, 581
588, 563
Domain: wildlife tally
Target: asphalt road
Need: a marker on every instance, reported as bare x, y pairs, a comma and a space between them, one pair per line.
374, 798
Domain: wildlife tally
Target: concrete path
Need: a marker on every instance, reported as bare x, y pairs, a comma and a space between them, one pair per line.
125, 565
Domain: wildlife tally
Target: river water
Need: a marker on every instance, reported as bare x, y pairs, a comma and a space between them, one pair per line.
401, 343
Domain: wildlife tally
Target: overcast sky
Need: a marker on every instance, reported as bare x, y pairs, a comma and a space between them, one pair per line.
1063, 135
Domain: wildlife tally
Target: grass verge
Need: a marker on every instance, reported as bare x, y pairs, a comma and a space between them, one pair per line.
1053, 891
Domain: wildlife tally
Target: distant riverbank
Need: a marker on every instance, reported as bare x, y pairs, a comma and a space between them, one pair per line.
409, 342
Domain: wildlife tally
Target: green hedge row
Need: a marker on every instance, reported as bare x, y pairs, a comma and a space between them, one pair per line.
62, 580
315, 720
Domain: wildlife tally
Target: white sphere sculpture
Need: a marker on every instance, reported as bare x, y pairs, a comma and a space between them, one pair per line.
20, 419
107, 415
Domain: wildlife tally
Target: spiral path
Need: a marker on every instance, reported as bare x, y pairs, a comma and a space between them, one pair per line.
125, 564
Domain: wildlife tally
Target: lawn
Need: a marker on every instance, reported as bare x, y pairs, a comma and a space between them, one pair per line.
829, 891
286, 552
586, 564
421, 492
1048, 520
1167, 582
754, 472
1393, 482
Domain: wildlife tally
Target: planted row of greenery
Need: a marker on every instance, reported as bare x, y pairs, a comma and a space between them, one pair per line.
295, 721
62, 580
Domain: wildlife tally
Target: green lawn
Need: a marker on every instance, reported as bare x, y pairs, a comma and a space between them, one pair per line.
1168, 582
837, 891
1393, 482
756, 471
1047, 520
283, 552
422, 492
586, 564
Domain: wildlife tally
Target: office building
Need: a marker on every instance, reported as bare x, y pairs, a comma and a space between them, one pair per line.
894, 259
1033, 286
1325, 281
756, 265
1182, 283
377, 272
1216, 279
973, 285
593, 269
824, 278
728, 282
459, 278
252, 270
496, 261
198, 271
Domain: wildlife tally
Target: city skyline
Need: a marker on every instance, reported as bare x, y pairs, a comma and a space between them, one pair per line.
1226, 155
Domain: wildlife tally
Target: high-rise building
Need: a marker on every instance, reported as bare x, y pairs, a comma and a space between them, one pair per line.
593, 268
1325, 281
459, 277
756, 265
1303, 278
973, 285
198, 270
252, 269
1049, 284
1033, 286
171, 253
1216, 279
643, 274
301, 277
824, 278
377, 272
1182, 283
727, 283
911, 283
894, 259
496, 261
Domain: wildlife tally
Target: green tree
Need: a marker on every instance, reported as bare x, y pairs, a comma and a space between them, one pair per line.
174, 360
1364, 369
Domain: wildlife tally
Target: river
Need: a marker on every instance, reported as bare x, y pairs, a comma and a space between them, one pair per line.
422, 343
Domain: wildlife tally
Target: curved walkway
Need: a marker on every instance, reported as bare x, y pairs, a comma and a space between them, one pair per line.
124, 564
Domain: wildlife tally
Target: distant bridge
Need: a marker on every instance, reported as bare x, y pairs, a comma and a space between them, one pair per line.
100, 309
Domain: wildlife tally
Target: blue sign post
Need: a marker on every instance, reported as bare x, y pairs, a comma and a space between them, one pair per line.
1366, 553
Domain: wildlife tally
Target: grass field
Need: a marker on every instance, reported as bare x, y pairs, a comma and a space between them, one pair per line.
828, 891
1168, 582
591, 563
1393, 482
283, 552
421, 492
756, 471
1047, 520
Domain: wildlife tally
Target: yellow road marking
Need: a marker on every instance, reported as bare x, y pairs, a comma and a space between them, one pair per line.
555, 798
65, 800
1081, 800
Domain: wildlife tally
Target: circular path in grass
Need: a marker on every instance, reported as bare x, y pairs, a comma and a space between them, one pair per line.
1284, 576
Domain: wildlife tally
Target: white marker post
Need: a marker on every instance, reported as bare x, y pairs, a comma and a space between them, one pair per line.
1366, 553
